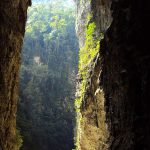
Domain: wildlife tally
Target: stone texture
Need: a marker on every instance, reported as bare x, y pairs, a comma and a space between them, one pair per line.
118, 86
100, 9
83, 9
125, 75
92, 132
13, 14
122, 76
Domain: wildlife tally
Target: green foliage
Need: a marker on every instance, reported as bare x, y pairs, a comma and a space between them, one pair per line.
86, 55
90, 48
19, 140
48, 72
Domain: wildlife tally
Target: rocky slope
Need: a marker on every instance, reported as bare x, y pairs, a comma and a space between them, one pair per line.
12, 27
114, 109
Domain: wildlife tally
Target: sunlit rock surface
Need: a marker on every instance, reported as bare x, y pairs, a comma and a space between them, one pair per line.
115, 108
92, 130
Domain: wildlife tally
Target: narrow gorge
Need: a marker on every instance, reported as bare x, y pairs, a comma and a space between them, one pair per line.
113, 82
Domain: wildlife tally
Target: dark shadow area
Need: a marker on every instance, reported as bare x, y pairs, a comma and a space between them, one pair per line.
125, 75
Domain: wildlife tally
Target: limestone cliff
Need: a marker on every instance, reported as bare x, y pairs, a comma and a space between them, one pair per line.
13, 14
113, 86
113, 90
93, 18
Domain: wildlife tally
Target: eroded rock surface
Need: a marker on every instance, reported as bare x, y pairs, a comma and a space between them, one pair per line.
118, 118
13, 14
118, 87
92, 130
125, 75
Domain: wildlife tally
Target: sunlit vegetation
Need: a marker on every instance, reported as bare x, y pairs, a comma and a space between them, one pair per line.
86, 55
19, 140
48, 73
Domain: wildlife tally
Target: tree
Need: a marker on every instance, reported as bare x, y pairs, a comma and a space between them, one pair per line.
49, 67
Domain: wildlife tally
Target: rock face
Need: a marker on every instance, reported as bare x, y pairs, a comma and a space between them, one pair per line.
125, 75
13, 14
100, 9
114, 113
92, 133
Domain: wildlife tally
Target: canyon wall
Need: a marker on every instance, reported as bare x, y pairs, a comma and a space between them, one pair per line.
13, 14
113, 84
113, 112
93, 19
125, 75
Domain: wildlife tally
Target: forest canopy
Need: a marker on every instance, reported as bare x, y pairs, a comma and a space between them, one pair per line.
47, 78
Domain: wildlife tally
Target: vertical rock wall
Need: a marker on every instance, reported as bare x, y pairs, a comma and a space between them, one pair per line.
125, 75
114, 113
13, 14
92, 132
117, 85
